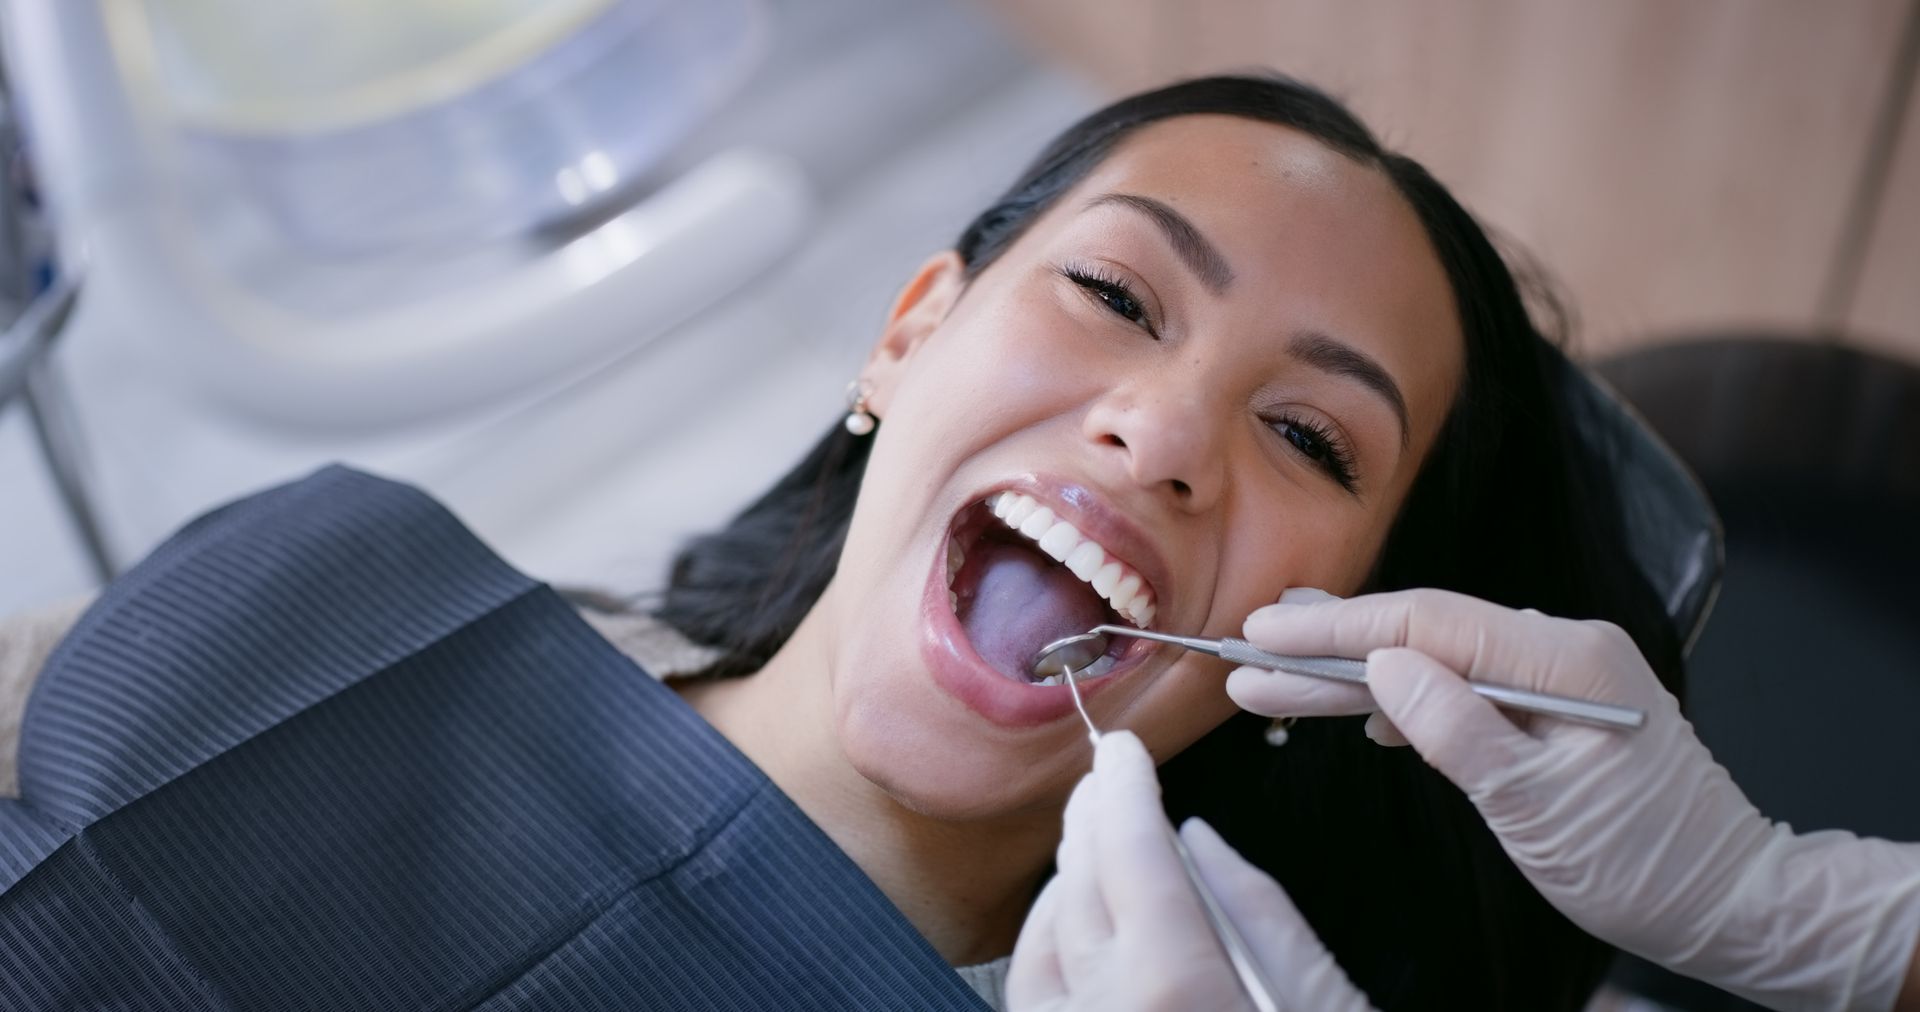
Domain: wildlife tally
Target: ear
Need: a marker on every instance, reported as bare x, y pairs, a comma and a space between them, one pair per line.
916, 314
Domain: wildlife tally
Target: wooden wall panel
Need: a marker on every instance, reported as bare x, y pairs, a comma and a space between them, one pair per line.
1886, 307
1678, 167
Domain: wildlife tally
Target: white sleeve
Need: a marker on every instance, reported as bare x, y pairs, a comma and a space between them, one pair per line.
26, 640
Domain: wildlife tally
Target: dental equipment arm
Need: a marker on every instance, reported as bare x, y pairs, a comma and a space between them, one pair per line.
1642, 840
1119, 930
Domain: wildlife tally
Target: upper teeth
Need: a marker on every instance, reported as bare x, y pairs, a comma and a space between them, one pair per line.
1110, 578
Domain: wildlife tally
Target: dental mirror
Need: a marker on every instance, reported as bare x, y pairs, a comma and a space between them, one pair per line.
1076, 653
1068, 657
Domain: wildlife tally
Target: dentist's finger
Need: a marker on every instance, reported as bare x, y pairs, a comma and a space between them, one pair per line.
1382, 732
1140, 872
1034, 978
1454, 730
1479, 639
1278, 694
1432, 621
1083, 926
1292, 957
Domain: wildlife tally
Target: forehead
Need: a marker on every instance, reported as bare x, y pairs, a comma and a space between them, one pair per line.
1268, 189
1315, 239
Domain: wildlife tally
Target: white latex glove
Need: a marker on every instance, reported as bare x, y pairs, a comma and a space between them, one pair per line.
1119, 928
1638, 837
1301, 697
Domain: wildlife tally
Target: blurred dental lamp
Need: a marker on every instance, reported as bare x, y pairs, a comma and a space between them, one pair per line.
366, 212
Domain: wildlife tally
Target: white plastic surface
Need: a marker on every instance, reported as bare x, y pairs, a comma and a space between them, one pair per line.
595, 297
367, 126
908, 115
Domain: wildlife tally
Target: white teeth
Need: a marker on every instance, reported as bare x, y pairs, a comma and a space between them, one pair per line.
1037, 523
956, 556
953, 601
1111, 579
1094, 670
1091, 671
1058, 540
1106, 579
1085, 560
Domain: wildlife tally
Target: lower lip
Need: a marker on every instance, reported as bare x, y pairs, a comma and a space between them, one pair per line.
960, 672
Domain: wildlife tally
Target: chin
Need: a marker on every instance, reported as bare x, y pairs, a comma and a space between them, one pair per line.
943, 769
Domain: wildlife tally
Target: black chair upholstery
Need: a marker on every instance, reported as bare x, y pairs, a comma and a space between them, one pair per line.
1674, 533
1805, 684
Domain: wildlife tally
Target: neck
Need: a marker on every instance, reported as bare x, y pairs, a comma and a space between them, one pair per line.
965, 886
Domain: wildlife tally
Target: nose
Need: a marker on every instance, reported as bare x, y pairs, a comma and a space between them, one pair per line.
1166, 435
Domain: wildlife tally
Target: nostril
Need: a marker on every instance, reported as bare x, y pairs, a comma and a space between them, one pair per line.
1180, 488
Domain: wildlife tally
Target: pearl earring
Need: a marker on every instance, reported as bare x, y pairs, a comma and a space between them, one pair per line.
859, 419
1280, 730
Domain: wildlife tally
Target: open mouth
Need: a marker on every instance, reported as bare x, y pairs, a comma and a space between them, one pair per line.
1018, 577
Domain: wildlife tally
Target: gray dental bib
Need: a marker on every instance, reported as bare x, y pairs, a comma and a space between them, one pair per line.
324, 750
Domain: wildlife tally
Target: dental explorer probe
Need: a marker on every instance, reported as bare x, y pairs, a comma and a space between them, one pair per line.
1082, 650
1253, 982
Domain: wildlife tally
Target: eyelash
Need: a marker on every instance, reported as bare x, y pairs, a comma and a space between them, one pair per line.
1324, 449
1109, 290
1333, 456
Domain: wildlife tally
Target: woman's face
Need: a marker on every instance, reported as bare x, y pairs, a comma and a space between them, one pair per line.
1220, 359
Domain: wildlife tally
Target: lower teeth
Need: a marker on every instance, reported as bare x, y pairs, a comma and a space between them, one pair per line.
1094, 670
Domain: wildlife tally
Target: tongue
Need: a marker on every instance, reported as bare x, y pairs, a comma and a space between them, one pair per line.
1024, 600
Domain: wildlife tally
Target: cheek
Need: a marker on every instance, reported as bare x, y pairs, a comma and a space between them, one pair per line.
979, 397
1308, 546
1003, 362
1189, 700
993, 370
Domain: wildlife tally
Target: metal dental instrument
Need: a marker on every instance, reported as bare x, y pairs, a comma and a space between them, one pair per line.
1092, 644
1073, 654
1066, 658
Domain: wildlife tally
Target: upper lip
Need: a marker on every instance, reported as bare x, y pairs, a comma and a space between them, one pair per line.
1095, 516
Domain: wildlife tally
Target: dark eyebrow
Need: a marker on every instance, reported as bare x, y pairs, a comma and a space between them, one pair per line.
1328, 355
1201, 256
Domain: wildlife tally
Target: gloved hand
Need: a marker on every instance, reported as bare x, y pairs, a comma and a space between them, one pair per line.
1119, 929
1638, 837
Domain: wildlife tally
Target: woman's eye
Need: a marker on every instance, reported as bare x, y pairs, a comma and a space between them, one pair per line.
1307, 443
1320, 447
1120, 302
1112, 293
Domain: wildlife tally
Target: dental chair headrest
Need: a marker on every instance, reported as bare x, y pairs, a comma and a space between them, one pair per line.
1672, 529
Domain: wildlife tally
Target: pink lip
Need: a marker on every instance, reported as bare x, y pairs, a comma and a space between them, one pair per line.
962, 674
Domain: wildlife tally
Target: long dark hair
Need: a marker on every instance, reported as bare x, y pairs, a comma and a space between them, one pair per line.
1386, 859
